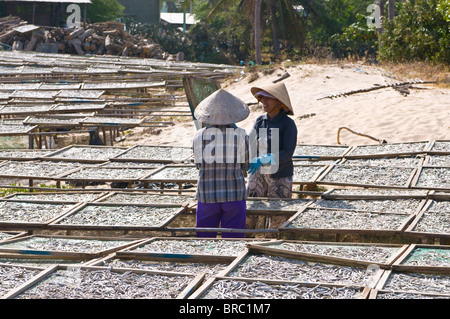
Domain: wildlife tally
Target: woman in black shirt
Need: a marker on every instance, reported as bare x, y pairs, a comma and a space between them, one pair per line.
272, 143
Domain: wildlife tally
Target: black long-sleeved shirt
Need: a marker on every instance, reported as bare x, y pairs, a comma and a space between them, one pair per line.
287, 140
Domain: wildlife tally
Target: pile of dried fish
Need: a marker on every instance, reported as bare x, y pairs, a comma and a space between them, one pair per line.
31, 212
58, 197
306, 173
175, 154
195, 246
369, 175
376, 192
320, 150
385, 162
400, 206
148, 198
376, 254
439, 160
237, 289
106, 284
439, 206
36, 168
180, 267
175, 173
398, 148
64, 244
124, 215
434, 177
280, 268
441, 146
406, 295
103, 173
342, 219
433, 222
428, 257
418, 282
288, 205
13, 276
87, 153
16, 153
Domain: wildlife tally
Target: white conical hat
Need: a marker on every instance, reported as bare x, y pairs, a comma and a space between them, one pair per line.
221, 108
279, 91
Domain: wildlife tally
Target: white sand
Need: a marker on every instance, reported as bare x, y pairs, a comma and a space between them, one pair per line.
423, 115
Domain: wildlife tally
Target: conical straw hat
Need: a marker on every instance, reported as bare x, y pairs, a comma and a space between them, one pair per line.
221, 108
279, 91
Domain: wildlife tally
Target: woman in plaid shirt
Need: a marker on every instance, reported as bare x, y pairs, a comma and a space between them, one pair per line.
221, 153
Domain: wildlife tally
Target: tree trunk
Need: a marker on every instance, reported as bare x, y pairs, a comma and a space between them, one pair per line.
276, 40
258, 32
391, 9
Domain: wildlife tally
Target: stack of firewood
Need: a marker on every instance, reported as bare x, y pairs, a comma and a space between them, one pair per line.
97, 38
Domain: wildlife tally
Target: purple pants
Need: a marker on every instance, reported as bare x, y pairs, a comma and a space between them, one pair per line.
226, 214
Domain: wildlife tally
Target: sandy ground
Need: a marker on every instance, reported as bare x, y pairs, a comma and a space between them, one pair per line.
422, 115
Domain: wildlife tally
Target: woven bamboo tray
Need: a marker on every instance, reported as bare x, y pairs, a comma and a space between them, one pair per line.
65, 246
31, 214
424, 258
388, 150
111, 216
348, 254
73, 282
439, 147
244, 288
155, 154
191, 249
345, 218
84, 153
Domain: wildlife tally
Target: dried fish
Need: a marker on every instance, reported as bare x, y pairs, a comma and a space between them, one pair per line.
441, 146
64, 244
395, 148
106, 284
175, 173
428, 257
141, 152
369, 175
434, 177
122, 215
137, 198
406, 295
13, 276
195, 246
342, 219
280, 268
370, 253
320, 150
418, 282
209, 269
433, 222
400, 206
285, 205
86, 153
238, 289
31, 212
38, 169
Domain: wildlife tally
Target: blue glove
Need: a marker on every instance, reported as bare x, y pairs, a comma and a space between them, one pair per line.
259, 161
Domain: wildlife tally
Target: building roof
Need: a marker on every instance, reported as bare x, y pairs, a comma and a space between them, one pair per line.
177, 18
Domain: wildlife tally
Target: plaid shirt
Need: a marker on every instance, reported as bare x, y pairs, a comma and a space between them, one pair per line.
221, 155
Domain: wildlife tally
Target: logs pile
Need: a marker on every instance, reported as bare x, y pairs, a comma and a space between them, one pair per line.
98, 38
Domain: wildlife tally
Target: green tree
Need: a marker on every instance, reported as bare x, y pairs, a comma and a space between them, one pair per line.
104, 10
420, 32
